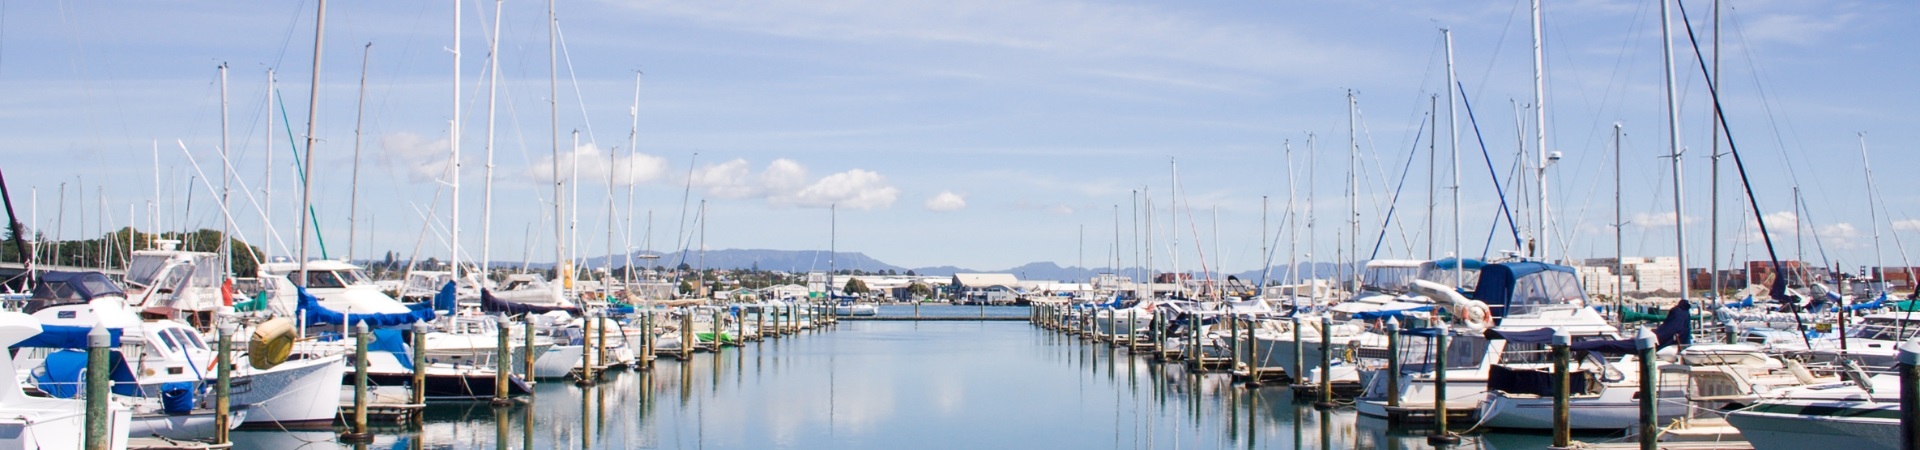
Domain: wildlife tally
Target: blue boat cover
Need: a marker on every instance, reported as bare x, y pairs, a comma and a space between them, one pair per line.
316, 314
1453, 263
60, 376
390, 340
65, 336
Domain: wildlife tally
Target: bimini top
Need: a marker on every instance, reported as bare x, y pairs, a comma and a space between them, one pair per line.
1521, 288
1452, 263
62, 288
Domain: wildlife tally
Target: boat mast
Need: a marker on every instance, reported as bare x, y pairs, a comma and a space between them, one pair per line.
226, 224
1880, 264
1293, 224
313, 110
266, 189
1713, 198
1673, 141
1540, 127
1453, 144
453, 131
493, 90
1619, 246
359, 113
1313, 277
1353, 193
553, 106
633, 152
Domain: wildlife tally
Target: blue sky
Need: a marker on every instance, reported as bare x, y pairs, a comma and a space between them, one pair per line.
982, 134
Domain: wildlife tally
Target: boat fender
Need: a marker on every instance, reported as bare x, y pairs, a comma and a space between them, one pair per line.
271, 344
1476, 314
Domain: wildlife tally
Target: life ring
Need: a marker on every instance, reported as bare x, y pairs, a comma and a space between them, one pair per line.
1477, 315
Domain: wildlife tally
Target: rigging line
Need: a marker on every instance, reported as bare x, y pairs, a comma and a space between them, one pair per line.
1482, 139
1745, 181
574, 76
1377, 167
1394, 203
1767, 103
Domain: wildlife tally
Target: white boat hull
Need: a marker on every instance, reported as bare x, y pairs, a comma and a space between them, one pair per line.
1777, 426
298, 393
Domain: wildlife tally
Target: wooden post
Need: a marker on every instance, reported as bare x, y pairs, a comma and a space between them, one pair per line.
528, 345
359, 426
223, 384
99, 351
1441, 435
602, 339
1326, 364
1909, 395
760, 322
1254, 361
502, 360
1233, 343
419, 354
1133, 328
687, 338
1646, 344
586, 347
1562, 388
1298, 371
1393, 362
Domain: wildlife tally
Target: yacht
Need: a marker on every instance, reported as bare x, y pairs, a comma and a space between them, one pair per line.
32, 423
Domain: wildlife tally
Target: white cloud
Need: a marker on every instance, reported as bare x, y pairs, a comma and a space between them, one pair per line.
857, 189
594, 166
1653, 220
785, 182
946, 201
1841, 236
1063, 210
1906, 225
423, 159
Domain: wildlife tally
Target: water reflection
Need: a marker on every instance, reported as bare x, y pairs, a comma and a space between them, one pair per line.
897, 384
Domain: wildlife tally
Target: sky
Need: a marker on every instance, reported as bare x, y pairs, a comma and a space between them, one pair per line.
981, 134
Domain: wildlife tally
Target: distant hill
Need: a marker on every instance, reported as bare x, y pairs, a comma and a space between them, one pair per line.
801, 261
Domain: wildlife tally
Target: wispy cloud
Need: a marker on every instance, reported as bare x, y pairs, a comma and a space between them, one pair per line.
1656, 220
594, 166
423, 159
1906, 225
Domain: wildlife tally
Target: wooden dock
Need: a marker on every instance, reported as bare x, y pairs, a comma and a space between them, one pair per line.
382, 413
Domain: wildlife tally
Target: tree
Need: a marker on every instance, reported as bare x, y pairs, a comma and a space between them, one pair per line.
919, 290
911, 274
855, 286
686, 287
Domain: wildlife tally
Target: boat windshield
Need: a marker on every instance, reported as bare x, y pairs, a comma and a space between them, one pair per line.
1390, 279
1468, 277
323, 279
1885, 329
1544, 290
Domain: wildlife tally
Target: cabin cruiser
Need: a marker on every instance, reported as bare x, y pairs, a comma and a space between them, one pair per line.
849, 307
1862, 412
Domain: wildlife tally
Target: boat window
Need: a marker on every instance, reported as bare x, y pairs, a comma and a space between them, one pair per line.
145, 269
190, 339
323, 279
172, 346
358, 276
1881, 329
1468, 278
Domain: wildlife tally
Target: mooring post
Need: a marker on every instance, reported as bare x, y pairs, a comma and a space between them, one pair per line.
99, 351
1393, 362
602, 340
1441, 435
1326, 363
359, 430
1233, 342
1910, 394
419, 353
502, 360
1298, 371
1133, 328
223, 384
1254, 361
687, 338
587, 346
527, 346
1647, 344
1562, 389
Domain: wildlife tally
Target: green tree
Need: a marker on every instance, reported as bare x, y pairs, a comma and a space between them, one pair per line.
920, 290
855, 286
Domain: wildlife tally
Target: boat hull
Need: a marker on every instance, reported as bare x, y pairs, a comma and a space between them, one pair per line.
1804, 425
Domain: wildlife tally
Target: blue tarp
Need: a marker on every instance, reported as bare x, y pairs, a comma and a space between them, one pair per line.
1875, 304
1453, 263
60, 376
317, 314
390, 340
64, 336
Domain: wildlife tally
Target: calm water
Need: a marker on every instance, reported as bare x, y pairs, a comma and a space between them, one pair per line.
935, 385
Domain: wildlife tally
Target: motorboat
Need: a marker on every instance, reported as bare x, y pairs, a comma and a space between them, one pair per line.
32, 423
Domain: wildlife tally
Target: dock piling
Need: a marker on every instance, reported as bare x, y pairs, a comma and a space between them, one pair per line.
1441, 435
1326, 363
1646, 344
1909, 395
223, 384
359, 432
1393, 362
99, 349
1562, 387
503, 361
419, 388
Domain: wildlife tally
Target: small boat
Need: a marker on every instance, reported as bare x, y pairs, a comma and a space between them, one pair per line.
851, 308
1861, 413
42, 422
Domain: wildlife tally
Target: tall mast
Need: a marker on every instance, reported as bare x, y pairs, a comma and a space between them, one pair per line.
1433, 164
633, 152
1293, 222
226, 223
493, 90
1713, 199
1673, 141
353, 198
553, 106
313, 110
1353, 191
1879, 264
1173, 222
266, 189
1453, 144
1540, 126
1312, 243
454, 131
1619, 223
